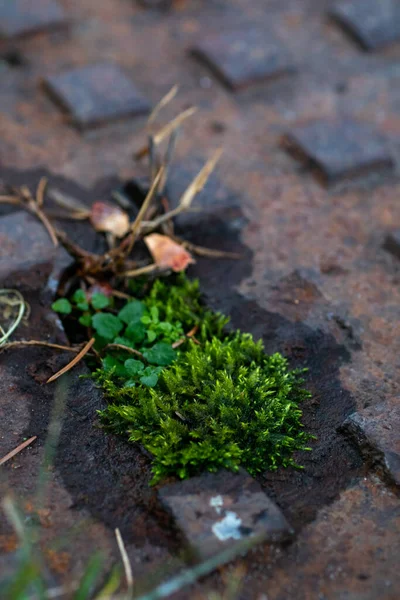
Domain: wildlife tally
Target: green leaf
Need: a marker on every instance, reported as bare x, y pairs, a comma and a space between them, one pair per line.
62, 306
160, 354
79, 296
110, 363
133, 366
151, 335
80, 300
100, 301
85, 320
131, 312
130, 383
154, 313
149, 380
107, 325
124, 341
135, 332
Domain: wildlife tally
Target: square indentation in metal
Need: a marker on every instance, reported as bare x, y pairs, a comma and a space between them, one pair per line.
241, 58
373, 23
339, 149
24, 17
96, 93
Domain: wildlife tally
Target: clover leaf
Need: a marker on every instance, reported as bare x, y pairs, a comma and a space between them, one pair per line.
85, 320
135, 332
134, 367
131, 312
62, 306
100, 301
160, 354
107, 325
80, 300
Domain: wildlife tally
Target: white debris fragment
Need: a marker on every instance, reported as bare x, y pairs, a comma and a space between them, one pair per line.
228, 527
217, 502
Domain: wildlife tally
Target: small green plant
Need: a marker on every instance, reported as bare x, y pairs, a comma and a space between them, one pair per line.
216, 401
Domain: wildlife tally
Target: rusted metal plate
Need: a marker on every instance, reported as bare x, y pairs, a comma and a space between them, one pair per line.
96, 93
340, 149
392, 243
23, 17
215, 511
348, 294
377, 431
372, 23
244, 56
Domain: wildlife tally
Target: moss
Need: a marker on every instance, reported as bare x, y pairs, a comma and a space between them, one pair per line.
222, 403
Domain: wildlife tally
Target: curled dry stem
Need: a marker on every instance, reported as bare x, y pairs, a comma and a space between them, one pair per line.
19, 302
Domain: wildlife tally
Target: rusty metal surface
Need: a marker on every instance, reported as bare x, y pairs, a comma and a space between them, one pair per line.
316, 281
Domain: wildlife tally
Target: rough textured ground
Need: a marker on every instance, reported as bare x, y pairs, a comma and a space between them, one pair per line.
316, 281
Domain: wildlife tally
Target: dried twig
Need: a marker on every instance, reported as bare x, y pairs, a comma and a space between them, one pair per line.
163, 102
77, 209
23, 197
209, 252
141, 271
17, 449
40, 191
123, 347
125, 560
167, 130
22, 343
188, 196
146, 203
20, 302
73, 362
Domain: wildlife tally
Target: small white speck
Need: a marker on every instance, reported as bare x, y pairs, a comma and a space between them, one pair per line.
217, 502
228, 527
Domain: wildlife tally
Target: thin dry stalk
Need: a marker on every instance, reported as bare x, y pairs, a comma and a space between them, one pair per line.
35, 207
123, 347
20, 302
200, 180
125, 560
210, 252
139, 218
163, 102
142, 271
166, 131
152, 159
69, 203
22, 343
74, 361
10, 200
17, 450
41, 191
188, 196
23, 197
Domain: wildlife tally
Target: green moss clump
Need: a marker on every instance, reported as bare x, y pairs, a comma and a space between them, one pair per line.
182, 302
220, 404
